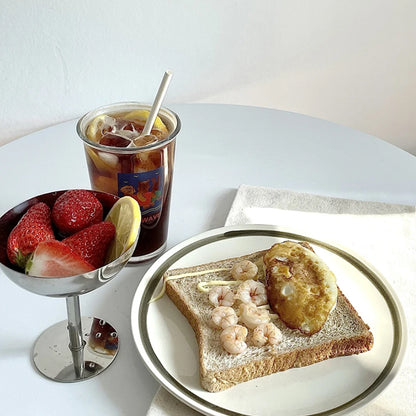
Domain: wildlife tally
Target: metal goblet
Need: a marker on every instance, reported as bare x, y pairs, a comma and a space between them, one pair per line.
63, 352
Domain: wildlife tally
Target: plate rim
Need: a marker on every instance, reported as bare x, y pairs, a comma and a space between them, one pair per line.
153, 275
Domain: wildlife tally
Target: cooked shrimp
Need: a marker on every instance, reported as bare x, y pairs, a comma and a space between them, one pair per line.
244, 270
221, 296
233, 339
224, 316
251, 316
252, 291
266, 333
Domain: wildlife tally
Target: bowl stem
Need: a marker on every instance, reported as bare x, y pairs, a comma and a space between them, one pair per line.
76, 340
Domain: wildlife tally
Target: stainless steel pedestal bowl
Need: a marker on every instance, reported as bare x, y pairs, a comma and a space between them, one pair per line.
79, 347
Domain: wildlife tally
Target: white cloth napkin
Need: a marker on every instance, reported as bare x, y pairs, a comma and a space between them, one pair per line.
383, 234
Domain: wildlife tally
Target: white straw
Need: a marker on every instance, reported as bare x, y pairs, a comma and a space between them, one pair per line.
157, 103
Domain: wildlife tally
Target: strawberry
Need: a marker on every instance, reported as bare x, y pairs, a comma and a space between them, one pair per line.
92, 242
35, 226
55, 259
75, 210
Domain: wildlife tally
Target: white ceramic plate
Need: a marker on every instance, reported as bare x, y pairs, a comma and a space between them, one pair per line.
337, 386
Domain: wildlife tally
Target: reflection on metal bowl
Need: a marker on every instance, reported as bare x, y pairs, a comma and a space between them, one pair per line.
59, 286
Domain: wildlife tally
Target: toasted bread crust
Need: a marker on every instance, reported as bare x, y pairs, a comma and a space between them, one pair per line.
220, 370
217, 381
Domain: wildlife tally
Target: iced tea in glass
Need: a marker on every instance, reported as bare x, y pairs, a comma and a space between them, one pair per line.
122, 162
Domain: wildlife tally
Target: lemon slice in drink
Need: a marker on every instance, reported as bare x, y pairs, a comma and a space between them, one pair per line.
125, 215
142, 115
94, 126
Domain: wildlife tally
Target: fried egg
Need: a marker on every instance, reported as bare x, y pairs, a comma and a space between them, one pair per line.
301, 288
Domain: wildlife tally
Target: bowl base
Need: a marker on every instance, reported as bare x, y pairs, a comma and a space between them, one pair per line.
54, 359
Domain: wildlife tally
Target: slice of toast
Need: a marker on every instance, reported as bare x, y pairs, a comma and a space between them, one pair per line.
344, 333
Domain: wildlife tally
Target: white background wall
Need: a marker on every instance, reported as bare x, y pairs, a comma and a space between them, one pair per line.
348, 61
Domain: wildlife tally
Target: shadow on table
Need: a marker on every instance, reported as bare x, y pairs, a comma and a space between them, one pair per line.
221, 208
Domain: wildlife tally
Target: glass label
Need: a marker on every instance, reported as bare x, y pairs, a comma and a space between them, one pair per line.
147, 189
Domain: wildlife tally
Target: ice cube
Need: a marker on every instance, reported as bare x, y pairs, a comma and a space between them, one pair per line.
110, 139
107, 124
109, 159
145, 140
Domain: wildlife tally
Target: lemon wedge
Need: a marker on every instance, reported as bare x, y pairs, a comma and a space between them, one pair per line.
105, 162
93, 127
142, 115
125, 215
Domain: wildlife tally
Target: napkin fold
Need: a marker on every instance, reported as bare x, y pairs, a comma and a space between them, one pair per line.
383, 234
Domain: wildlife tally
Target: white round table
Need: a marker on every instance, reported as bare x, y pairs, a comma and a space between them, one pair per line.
219, 148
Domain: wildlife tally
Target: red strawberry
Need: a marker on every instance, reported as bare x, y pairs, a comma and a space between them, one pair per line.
92, 242
75, 210
55, 259
35, 226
